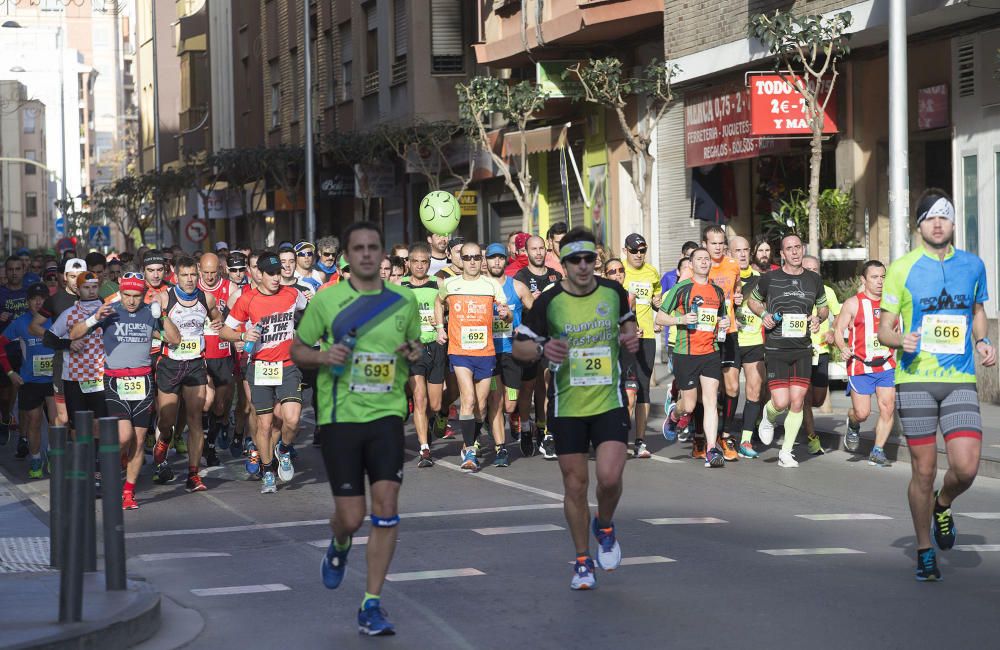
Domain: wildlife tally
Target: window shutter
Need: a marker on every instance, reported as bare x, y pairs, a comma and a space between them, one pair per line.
346, 46
371, 17
401, 29
447, 51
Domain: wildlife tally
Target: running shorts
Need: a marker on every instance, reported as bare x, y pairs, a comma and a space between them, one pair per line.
578, 435
787, 368
353, 450
637, 369
173, 375
509, 372
138, 411
921, 406
751, 354
264, 397
481, 367
730, 349
431, 364
220, 370
77, 400
867, 383
689, 367
820, 374
32, 395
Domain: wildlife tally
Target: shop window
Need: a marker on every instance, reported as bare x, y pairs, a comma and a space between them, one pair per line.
970, 203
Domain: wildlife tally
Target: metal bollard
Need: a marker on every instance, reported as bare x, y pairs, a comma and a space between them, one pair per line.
83, 423
111, 511
57, 495
76, 480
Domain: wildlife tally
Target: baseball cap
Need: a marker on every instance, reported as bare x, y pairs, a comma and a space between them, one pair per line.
236, 261
86, 277
635, 240
455, 241
521, 240
75, 264
269, 264
303, 245
222, 246
496, 249
37, 289
342, 262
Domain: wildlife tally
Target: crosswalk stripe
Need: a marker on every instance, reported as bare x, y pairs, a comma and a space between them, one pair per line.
646, 559
664, 459
512, 530
980, 515
431, 575
977, 547
155, 557
244, 589
668, 521
811, 551
861, 516
325, 543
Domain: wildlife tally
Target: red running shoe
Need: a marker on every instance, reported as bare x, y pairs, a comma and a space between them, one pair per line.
128, 501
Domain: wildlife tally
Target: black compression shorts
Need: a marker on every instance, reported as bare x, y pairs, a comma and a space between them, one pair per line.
354, 450
575, 435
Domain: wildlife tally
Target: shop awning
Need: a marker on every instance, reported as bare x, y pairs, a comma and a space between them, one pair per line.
546, 138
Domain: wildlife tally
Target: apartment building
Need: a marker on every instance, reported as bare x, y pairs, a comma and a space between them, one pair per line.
25, 211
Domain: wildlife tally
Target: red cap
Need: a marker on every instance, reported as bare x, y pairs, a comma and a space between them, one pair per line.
132, 284
521, 240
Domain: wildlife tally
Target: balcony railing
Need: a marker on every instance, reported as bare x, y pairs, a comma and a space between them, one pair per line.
371, 84
399, 71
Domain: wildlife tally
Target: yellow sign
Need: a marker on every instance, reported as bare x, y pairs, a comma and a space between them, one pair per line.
469, 202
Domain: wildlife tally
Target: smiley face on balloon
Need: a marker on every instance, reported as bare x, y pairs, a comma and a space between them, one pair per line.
440, 212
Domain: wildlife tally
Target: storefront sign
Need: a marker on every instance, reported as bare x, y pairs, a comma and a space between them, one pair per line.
932, 107
777, 108
549, 75
468, 200
717, 129
337, 185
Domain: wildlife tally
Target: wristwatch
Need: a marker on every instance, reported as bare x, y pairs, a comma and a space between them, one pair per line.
985, 340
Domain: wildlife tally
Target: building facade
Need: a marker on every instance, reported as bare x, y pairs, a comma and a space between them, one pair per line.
25, 210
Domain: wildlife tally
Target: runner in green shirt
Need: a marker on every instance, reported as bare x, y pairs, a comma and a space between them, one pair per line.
581, 325
368, 333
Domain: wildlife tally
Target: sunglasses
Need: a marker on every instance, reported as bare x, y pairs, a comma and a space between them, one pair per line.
615, 271
237, 269
307, 254
132, 275
588, 258
471, 258
328, 254
637, 251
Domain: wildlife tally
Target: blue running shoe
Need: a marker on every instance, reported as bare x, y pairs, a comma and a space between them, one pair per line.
334, 565
943, 526
609, 553
286, 471
252, 463
670, 428
746, 450
372, 620
583, 575
927, 568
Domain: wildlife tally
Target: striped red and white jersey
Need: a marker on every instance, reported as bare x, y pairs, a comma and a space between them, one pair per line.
864, 341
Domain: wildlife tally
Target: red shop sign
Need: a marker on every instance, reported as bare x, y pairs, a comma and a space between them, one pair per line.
777, 108
717, 129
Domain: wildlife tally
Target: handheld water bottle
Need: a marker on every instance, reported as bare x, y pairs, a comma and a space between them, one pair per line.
249, 346
349, 340
553, 366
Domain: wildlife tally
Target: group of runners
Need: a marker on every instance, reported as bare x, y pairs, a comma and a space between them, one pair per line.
547, 343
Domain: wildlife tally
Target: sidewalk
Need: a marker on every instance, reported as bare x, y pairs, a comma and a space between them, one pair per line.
833, 426
29, 590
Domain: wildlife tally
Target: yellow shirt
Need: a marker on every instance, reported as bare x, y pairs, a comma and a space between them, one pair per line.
819, 347
643, 284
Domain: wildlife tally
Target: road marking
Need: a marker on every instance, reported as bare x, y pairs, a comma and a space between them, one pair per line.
811, 551
155, 557
646, 559
325, 543
245, 589
326, 522
664, 459
980, 515
511, 530
432, 575
977, 547
861, 516
495, 479
668, 521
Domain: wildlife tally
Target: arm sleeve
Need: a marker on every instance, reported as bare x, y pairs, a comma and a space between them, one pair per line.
312, 326
53, 342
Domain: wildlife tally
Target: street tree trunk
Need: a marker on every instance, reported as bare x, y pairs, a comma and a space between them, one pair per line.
815, 161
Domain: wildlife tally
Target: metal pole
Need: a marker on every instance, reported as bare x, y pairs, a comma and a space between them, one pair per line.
57, 496
156, 124
899, 179
111, 512
62, 124
310, 200
71, 577
83, 423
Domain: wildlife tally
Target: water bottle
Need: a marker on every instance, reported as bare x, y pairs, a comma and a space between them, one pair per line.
249, 346
776, 317
350, 340
721, 335
553, 366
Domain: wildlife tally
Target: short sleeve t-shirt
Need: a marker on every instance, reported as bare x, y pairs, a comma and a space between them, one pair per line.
14, 302
37, 365
276, 316
535, 282
705, 300
792, 296
937, 297
833, 303
127, 338
425, 294
372, 386
644, 284
470, 314
588, 382
725, 274
751, 330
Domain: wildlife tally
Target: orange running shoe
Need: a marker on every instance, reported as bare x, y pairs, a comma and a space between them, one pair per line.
728, 449
160, 452
698, 448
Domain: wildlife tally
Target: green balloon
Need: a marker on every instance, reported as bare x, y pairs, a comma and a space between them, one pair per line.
440, 212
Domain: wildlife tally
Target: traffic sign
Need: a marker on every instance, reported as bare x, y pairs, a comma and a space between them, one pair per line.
99, 236
196, 231
61, 226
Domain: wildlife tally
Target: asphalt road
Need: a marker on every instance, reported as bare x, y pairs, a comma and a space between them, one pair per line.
697, 578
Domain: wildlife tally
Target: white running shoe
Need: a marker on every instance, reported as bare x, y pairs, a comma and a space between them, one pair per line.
286, 471
766, 430
583, 575
786, 459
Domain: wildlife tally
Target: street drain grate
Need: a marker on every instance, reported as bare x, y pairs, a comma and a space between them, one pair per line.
21, 554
